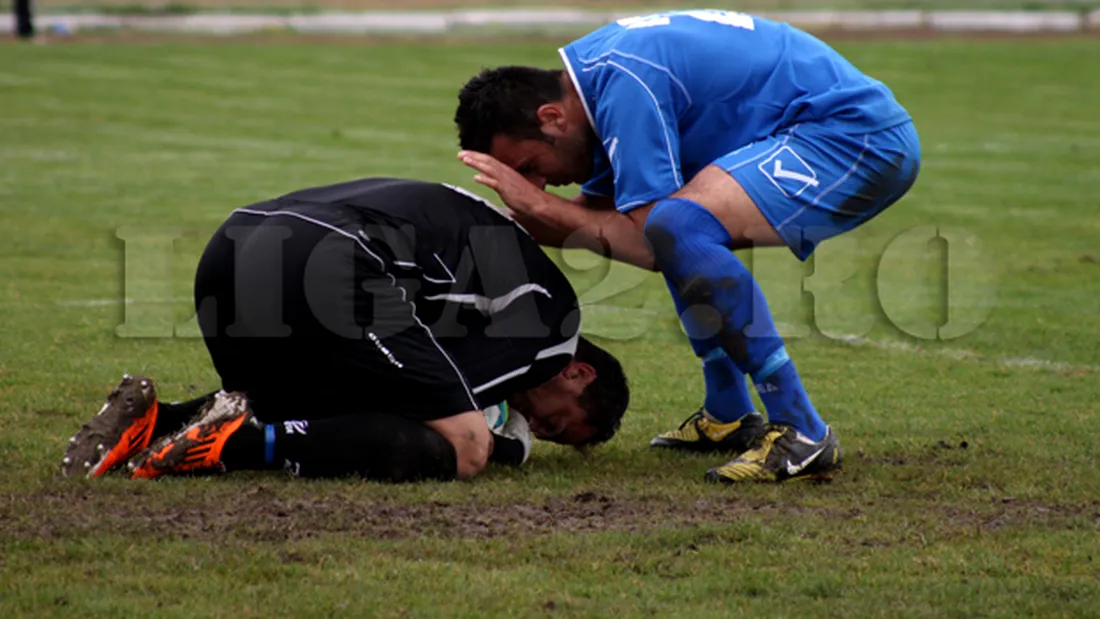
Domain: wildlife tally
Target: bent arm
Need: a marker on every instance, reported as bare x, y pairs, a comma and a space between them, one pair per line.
469, 434
606, 232
545, 235
550, 236
595, 203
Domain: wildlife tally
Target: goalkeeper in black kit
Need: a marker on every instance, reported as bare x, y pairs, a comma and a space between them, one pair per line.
393, 329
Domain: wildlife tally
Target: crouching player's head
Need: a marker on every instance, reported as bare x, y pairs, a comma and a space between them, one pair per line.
531, 120
583, 405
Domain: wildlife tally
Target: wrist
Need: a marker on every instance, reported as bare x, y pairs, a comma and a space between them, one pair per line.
547, 208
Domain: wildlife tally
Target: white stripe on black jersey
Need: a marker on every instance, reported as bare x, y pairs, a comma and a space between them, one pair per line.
492, 298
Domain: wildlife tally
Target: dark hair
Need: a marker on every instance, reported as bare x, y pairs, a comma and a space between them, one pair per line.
505, 101
606, 398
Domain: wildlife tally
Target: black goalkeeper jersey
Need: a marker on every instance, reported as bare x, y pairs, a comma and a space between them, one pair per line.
478, 286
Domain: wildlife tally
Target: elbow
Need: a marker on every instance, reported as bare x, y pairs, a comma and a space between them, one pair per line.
471, 439
473, 456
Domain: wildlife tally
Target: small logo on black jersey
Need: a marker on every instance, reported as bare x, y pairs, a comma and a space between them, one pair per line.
384, 350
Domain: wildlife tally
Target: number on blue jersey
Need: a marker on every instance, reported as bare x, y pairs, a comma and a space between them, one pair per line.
726, 18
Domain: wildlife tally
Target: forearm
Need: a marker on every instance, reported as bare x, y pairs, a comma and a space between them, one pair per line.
605, 232
550, 236
543, 234
594, 203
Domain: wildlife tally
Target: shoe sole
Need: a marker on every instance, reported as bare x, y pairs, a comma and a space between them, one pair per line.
725, 446
825, 476
123, 422
698, 446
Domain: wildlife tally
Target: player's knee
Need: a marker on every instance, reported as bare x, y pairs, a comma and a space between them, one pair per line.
676, 225
724, 198
662, 229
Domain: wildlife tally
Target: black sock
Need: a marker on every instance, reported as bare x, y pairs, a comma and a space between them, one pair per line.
173, 416
244, 450
374, 446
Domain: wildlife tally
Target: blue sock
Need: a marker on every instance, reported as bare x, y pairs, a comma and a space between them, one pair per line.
728, 396
786, 399
250, 449
269, 445
691, 249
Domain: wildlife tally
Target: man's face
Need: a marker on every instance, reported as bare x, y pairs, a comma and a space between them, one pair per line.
553, 410
563, 158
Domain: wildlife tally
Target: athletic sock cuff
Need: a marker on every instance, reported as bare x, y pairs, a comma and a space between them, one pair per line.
772, 364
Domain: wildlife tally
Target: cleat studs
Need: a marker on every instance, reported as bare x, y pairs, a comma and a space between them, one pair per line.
126, 376
100, 447
144, 383
66, 460
87, 465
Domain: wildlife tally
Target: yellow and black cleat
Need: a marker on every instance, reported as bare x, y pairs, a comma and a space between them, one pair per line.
783, 454
702, 433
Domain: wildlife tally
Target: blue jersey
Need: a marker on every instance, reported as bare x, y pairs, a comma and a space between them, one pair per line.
669, 93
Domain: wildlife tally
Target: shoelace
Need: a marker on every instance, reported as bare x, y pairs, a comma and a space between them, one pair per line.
694, 416
777, 447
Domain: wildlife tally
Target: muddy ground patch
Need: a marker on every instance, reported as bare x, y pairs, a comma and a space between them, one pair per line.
266, 514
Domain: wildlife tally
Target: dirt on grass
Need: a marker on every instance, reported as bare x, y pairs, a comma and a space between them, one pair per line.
264, 514
278, 512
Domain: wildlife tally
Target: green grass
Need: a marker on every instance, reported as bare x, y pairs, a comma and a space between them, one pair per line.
165, 139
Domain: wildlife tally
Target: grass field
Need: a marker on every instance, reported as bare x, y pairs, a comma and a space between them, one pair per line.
971, 485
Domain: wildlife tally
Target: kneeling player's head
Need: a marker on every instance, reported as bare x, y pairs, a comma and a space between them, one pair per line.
584, 404
531, 120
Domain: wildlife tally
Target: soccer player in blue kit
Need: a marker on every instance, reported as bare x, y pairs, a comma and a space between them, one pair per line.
694, 133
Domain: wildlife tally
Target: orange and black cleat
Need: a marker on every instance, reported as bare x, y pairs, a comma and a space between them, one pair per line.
197, 448
121, 429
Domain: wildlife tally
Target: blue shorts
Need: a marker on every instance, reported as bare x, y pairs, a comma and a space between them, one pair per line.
813, 183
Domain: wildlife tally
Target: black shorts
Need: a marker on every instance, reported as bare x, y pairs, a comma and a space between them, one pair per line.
311, 318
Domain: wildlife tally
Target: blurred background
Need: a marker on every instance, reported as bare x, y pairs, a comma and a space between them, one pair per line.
953, 341
404, 5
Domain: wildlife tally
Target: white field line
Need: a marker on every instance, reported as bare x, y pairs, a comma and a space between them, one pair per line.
110, 302
956, 354
97, 303
961, 354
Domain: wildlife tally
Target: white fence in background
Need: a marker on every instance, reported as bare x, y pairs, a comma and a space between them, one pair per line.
525, 21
